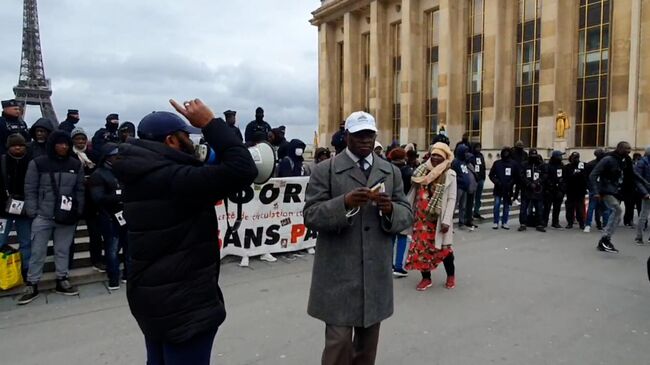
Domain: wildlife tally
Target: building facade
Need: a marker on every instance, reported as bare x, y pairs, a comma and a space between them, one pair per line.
499, 70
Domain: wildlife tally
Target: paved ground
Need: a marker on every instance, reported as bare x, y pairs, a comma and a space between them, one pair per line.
522, 298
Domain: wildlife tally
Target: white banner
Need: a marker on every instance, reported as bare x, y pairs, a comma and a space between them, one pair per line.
271, 219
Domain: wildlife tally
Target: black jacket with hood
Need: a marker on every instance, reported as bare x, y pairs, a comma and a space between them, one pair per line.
533, 176
291, 164
505, 174
105, 189
36, 149
614, 175
555, 183
169, 205
11, 125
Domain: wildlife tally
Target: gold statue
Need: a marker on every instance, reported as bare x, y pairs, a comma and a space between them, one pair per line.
562, 124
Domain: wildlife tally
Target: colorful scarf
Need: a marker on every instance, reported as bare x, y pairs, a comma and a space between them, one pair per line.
434, 178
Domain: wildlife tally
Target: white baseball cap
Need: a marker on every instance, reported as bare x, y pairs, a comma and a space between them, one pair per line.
360, 121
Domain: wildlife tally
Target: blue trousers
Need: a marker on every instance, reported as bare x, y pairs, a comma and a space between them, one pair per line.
23, 228
477, 197
195, 351
115, 237
597, 207
400, 250
498, 201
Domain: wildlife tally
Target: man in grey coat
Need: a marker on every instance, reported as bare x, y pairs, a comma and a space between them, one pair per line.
356, 203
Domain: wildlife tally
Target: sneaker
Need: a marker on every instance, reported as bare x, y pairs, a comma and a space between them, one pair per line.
451, 282
605, 245
556, 226
64, 287
522, 228
479, 217
638, 241
99, 267
495, 226
400, 273
244, 261
569, 226
587, 229
472, 228
268, 258
113, 285
311, 251
541, 229
123, 280
505, 226
424, 285
29, 294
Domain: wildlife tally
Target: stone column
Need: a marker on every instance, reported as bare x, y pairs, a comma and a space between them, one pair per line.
380, 101
643, 115
413, 128
452, 64
558, 69
327, 76
620, 123
352, 86
498, 80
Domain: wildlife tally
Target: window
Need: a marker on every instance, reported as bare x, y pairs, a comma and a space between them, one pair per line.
473, 112
365, 58
396, 64
431, 84
528, 64
593, 73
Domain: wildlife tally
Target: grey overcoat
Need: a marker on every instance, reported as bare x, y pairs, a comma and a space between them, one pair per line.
352, 283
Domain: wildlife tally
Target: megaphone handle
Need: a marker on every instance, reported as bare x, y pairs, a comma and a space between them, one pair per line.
238, 218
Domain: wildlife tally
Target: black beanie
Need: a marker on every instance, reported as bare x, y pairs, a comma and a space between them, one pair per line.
112, 117
15, 140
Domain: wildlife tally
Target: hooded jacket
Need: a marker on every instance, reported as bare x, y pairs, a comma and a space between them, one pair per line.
107, 134
11, 125
533, 177
36, 149
105, 189
504, 174
460, 166
612, 174
291, 164
68, 124
555, 183
40, 197
479, 164
169, 198
642, 166
130, 127
12, 179
576, 178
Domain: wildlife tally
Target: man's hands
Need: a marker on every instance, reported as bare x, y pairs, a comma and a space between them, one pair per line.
361, 196
197, 113
384, 203
357, 198
444, 228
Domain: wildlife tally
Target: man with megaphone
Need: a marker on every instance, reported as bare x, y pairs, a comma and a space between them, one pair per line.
169, 197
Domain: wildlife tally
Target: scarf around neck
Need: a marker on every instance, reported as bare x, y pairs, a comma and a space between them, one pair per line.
83, 157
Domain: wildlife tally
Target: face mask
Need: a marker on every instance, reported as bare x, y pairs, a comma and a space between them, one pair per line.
299, 152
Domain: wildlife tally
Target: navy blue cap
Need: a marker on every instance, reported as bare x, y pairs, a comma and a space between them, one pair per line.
557, 154
158, 125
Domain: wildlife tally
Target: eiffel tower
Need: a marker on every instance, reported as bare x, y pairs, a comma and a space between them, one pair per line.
33, 88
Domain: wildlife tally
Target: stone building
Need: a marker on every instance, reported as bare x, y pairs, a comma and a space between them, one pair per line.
499, 70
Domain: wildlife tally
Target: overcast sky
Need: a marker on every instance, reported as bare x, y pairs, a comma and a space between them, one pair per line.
130, 57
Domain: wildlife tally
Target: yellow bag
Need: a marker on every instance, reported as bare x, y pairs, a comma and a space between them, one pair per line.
10, 268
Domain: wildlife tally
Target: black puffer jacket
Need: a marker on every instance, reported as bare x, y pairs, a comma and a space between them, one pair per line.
14, 181
613, 175
169, 199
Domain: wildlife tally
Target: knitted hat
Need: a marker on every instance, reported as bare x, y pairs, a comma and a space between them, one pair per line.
77, 131
16, 140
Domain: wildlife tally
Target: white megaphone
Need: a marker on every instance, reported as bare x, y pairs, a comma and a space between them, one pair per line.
265, 157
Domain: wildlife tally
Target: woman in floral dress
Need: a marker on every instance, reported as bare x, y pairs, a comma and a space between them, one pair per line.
433, 196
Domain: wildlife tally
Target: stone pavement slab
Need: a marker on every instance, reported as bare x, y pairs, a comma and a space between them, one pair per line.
521, 298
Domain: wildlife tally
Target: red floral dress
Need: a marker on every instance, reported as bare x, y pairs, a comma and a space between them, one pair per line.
423, 255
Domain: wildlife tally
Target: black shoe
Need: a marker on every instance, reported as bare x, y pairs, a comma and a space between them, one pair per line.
556, 226
569, 226
541, 229
29, 294
401, 273
522, 228
99, 267
64, 287
605, 245
479, 217
113, 285
638, 241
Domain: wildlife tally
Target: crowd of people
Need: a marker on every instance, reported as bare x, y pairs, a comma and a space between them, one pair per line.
55, 176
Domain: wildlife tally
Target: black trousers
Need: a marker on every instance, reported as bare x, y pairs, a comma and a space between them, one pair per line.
450, 268
350, 345
553, 204
526, 215
631, 203
575, 209
469, 210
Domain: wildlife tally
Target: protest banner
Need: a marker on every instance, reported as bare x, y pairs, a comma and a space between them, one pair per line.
271, 219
